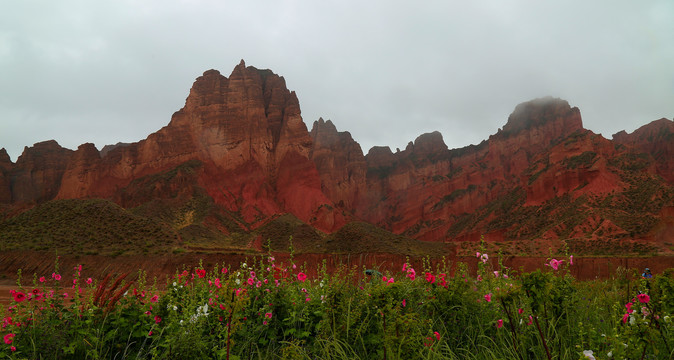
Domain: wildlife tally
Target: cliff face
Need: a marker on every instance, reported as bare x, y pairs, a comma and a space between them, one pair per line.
238, 155
655, 139
247, 132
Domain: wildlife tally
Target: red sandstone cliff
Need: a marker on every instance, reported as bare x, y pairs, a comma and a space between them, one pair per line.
239, 155
656, 139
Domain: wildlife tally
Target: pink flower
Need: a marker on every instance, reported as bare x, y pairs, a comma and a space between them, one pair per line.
554, 263
157, 319
390, 281
644, 298
625, 317
477, 254
404, 267
89, 281
520, 311
251, 281
268, 315
264, 322
57, 277
531, 320
259, 283
571, 260
308, 299
150, 333
13, 348
629, 307
224, 270
301, 277
42, 279
9, 338
479, 278
404, 303
496, 273
19, 296
384, 279
488, 297
155, 298
411, 274
430, 277
437, 335
485, 257
499, 323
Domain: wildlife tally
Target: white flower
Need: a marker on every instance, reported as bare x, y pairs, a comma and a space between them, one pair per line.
175, 308
244, 265
610, 354
238, 281
588, 354
175, 284
632, 320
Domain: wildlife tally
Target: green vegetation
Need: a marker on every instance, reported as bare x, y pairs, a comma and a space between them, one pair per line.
272, 310
92, 226
586, 159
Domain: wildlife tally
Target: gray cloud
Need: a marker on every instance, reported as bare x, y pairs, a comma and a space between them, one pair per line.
386, 71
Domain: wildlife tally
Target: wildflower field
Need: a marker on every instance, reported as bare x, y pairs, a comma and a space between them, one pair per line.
264, 309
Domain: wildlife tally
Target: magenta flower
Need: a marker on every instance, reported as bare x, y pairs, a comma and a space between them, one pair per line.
268, 315
19, 296
499, 323
301, 277
488, 297
89, 281
437, 335
157, 319
42, 279
625, 317
404, 303
554, 263
644, 298
571, 260
9, 338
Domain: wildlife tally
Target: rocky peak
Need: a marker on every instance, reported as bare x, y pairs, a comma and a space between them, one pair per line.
42, 152
5, 161
656, 139
429, 143
542, 112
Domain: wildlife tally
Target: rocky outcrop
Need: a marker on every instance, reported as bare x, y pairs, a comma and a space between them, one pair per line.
238, 155
5, 167
37, 174
340, 163
655, 139
247, 132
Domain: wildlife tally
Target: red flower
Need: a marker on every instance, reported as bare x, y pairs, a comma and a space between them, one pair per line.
430, 277
644, 298
9, 338
19, 296
437, 335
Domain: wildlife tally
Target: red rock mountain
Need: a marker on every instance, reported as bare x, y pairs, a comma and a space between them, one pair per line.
238, 155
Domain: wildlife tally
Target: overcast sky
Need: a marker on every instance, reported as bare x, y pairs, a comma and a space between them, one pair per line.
386, 71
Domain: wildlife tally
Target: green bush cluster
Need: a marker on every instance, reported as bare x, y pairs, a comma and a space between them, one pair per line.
272, 310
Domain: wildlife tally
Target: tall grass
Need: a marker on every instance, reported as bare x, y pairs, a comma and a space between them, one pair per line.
269, 310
